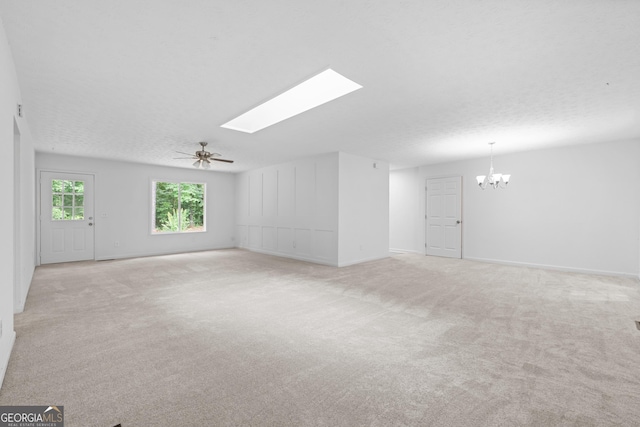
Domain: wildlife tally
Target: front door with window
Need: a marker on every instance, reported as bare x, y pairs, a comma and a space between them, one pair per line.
66, 217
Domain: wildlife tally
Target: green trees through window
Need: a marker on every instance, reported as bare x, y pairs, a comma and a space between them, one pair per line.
178, 207
67, 200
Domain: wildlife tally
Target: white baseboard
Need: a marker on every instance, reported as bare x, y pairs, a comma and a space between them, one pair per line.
290, 256
553, 267
5, 363
361, 260
405, 251
314, 260
159, 253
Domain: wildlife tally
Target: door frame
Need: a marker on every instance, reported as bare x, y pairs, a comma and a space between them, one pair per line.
18, 300
39, 172
424, 211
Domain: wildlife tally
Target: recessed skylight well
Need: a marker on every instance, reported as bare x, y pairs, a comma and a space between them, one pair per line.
318, 90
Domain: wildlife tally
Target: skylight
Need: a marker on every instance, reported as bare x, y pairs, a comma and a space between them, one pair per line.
318, 90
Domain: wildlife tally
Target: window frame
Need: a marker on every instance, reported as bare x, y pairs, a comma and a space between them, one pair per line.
153, 228
63, 206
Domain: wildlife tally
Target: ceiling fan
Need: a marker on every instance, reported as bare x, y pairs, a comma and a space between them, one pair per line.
203, 157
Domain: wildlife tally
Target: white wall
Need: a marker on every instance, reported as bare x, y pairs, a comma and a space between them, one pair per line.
574, 208
330, 209
363, 231
291, 209
14, 285
123, 194
406, 195
25, 258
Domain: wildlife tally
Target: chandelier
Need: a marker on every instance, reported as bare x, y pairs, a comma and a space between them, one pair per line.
493, 180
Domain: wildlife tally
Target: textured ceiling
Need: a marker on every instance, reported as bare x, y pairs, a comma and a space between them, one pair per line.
138, 79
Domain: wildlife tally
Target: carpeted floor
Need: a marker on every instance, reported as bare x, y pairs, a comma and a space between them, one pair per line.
234, 338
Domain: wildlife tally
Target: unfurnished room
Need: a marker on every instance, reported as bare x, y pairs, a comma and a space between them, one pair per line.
336, 213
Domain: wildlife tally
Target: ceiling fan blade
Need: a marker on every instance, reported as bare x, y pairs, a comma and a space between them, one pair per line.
202, 157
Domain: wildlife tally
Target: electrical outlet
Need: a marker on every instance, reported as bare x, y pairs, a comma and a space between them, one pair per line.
116, 243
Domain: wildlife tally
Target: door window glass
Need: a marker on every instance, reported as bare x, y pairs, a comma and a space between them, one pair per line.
67, 200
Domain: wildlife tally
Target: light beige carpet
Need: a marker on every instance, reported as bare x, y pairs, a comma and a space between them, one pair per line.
230, 337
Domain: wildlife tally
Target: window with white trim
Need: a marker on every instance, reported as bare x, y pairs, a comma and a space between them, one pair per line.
178, 207
67, 200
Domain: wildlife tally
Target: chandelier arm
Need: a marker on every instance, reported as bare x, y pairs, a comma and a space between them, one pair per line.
491, 145
493, 180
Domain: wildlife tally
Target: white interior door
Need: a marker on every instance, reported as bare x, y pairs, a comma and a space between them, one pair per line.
66, 217
444, 217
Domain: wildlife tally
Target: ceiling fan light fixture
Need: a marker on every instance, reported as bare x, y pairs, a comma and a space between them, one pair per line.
203, 158
318, 90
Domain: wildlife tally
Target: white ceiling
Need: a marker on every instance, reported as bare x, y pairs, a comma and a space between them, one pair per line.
138, 79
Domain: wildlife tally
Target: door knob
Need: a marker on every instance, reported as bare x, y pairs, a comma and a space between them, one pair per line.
458, 222
90, 224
